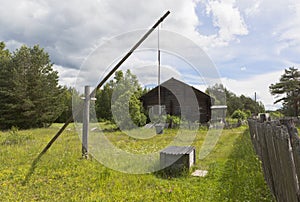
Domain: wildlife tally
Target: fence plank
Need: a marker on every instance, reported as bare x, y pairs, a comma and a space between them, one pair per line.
296, 154
273, 158
287, 165
278, 146
263, 136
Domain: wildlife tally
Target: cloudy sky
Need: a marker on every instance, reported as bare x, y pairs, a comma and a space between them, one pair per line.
250, 42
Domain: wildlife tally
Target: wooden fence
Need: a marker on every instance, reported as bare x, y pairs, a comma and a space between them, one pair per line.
278, 146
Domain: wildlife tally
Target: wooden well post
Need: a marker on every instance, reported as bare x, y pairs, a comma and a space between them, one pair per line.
86, 120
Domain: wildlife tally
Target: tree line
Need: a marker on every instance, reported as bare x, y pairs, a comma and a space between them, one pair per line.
286, 91
239, 107
29, 92
30, 95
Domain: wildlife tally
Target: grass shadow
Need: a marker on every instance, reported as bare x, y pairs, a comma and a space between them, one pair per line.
172, 172
32, 169
110, 130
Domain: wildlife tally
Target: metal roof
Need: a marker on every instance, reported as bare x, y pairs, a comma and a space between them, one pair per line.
218, 107
172, 80
178, 150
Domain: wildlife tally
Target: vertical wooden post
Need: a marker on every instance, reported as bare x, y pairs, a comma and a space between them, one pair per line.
86, 119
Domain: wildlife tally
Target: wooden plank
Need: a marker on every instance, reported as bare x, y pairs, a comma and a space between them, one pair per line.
282, 155
272, 157
269, 155
278, 146
296, 154
287, 165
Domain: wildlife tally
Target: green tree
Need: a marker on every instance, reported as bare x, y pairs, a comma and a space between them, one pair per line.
68, 95
275, 114
218, 93
121, 95
31, 94
239, 114
103, 103
234, 102
287, 90
6, 93
251, 105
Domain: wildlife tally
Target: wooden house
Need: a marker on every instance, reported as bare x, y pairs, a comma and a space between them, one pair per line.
180, 99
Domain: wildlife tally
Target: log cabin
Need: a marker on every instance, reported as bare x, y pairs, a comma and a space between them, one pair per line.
180, 99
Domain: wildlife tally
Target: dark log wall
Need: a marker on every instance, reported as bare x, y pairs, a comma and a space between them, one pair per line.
168, 99
180, 99
204, 102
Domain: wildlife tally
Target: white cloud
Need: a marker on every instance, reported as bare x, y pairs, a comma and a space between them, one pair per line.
70, 29
253, 9
147, 71
261, 35
243, 68
259, 84
248, 87
67, 76
288, 30
227, 17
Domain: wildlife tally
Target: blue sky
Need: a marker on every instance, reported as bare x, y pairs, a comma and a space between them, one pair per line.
250, 42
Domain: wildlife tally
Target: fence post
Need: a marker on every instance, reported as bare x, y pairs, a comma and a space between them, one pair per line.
86, 120
292, 133
280, 155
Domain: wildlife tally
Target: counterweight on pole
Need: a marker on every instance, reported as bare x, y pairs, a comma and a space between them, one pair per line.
94, 91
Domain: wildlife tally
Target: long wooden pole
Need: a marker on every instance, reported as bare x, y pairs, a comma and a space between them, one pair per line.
131, 51
70, 119
105, 79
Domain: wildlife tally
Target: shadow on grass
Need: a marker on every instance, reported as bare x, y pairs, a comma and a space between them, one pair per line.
111, 130
32, 168
171, 172
242, 178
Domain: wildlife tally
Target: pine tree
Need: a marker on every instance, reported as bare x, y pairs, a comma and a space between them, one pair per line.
32, 95
287, 90
126, 99
103, 103
121, 96
5, 86
68, 95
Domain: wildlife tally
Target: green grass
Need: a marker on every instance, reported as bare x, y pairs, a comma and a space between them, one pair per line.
62, 175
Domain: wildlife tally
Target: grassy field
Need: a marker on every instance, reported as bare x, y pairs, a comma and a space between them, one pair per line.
62, 175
